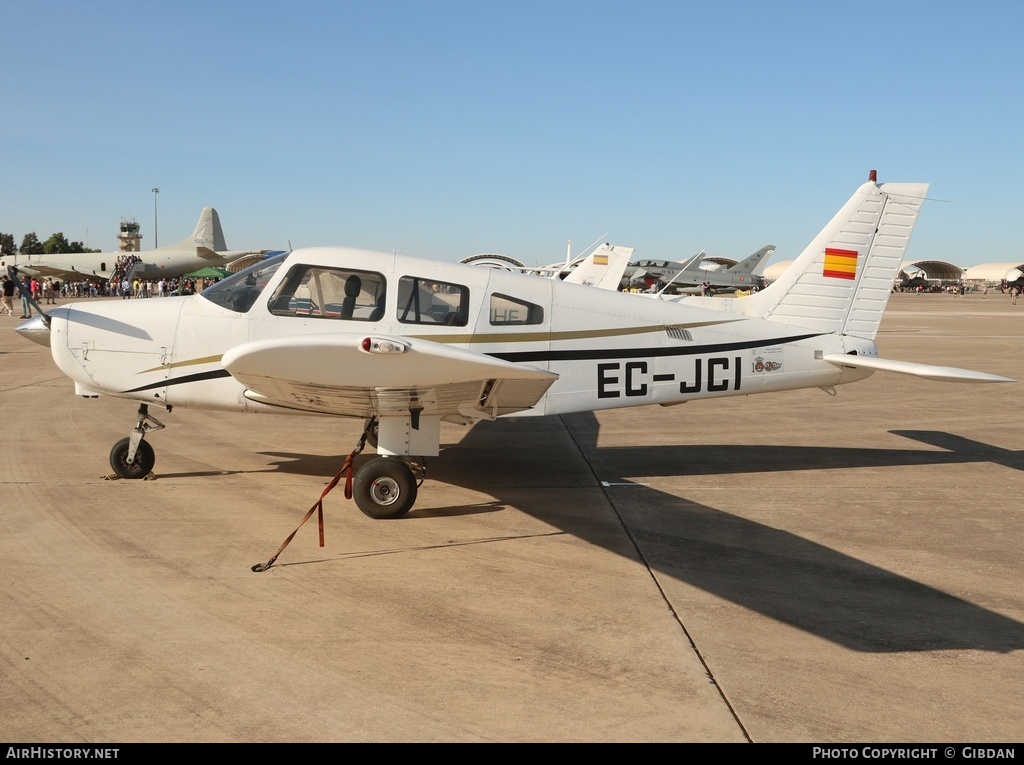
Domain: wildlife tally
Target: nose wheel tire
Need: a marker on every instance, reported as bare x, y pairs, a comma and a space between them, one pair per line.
384, 488
145, 459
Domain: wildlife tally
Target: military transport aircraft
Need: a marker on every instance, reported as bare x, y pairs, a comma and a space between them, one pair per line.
206, 247
404, 343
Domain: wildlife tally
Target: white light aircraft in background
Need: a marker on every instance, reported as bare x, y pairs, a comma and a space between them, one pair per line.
604, 268
404, 343
205, 247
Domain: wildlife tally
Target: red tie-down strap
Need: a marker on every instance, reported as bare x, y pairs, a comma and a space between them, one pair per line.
318, 507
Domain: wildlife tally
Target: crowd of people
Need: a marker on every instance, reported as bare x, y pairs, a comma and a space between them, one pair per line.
46, 291
123, 265
960, 289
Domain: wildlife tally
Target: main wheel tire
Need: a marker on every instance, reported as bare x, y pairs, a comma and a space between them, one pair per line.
145, 459
384, 488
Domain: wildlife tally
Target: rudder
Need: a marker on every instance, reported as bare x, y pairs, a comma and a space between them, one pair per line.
842, 280
208, 233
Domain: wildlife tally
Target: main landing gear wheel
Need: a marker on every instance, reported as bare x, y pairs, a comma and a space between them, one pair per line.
145, 459
385, 487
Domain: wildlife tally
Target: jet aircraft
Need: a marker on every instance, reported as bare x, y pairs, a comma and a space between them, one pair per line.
403, 343
205, 247
689, 277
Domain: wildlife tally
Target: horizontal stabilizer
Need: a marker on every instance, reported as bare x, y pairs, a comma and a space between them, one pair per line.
927, 371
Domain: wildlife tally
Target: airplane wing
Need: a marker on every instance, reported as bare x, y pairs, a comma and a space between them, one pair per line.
243, 262
57, 270
927, 371
361, 376
227, 255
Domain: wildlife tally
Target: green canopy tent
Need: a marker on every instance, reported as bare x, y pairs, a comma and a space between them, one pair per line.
203, 277
208, 272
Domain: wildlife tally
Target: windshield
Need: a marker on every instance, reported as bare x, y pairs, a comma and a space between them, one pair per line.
239, 291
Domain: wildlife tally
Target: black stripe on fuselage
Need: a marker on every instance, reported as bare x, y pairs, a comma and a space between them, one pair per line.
551, 355
200, 377
634, 353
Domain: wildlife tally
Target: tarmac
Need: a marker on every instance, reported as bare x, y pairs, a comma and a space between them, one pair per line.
781, 568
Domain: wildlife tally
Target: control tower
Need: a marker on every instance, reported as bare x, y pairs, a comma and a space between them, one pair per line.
130, 238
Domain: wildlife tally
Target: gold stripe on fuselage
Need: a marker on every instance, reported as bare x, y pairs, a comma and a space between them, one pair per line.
466, 338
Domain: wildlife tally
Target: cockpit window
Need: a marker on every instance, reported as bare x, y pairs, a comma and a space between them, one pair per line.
330, 293
428, 301
239, 291
506, 310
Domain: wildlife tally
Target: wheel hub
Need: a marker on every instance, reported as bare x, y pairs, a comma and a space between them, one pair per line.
385, 491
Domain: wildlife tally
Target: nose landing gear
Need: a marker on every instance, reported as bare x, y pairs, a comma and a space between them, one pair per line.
132, 456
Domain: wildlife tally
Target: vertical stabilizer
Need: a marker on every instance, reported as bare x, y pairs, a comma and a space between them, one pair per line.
208, 234
754, 264
842, 280
603, 268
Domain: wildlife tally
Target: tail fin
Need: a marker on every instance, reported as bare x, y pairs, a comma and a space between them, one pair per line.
755, 263
208, 234
603, 268
842, 280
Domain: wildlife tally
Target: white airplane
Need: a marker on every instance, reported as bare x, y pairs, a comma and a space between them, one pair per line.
205, 247
404, 343
603, 268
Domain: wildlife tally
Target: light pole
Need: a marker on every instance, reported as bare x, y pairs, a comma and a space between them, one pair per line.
156, 240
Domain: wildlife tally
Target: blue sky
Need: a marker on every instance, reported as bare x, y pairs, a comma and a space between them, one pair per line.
444, 129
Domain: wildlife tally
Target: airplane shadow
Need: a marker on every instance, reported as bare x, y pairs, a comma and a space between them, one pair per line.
767, 570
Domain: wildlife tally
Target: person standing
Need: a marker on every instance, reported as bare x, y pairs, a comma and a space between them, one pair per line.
26, 292
8, 296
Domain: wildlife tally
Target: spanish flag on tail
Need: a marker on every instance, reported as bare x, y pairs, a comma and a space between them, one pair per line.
840, 264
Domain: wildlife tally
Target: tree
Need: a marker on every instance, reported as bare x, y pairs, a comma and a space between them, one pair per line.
57, 243
7, 248
31, 245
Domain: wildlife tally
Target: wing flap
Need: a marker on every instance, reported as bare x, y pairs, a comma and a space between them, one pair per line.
332, 374
926, 371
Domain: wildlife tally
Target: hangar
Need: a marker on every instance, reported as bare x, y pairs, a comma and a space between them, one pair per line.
994, 273
932, 270
938, 271
774, 271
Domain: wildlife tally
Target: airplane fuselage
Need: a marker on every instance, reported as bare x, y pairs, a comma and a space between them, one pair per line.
607, 349
407, 343
101, 265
